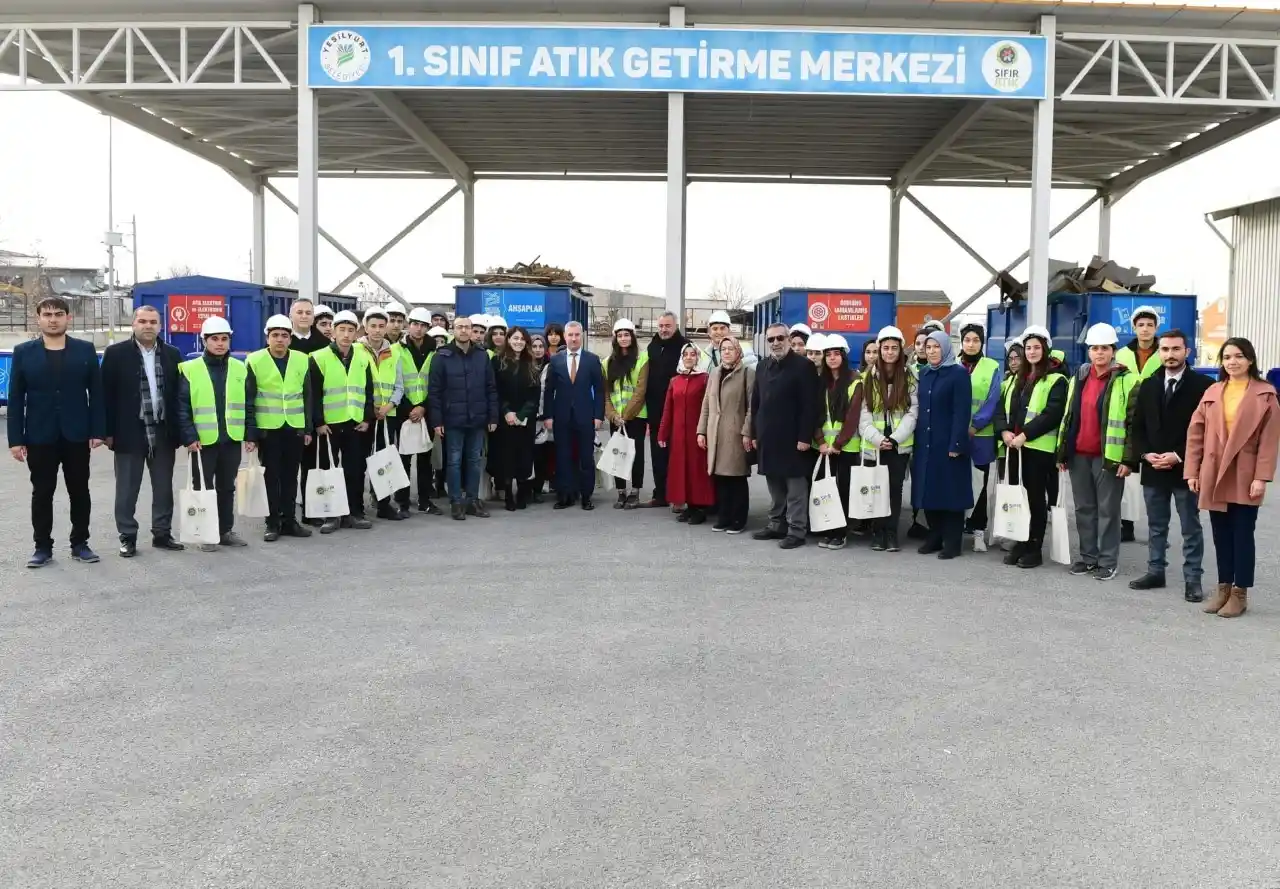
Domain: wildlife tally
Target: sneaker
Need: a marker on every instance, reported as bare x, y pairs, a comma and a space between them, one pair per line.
735, 529
1100, 573
720, 525
979, 542
633, 501
824, 542
430, 508
1079, 569
836, 543
40, 558
359, 523
457, 512
622, 500
82, 553
891, 543
231, 538
880, 542
328, 526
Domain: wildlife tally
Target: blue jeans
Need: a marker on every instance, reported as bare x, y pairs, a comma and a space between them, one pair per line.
1233, 543
1158, 517
457, 443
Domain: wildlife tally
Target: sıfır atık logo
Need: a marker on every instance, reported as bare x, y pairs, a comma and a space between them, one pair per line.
345, 56
1007, 66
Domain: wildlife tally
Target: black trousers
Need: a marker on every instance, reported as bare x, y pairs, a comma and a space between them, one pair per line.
659, 457
733, 497
574, 480
946, 529
425, 476
978, 518
219, 464
897, 464
1036, 471
635, 431
280, 451
43, 462
351, 448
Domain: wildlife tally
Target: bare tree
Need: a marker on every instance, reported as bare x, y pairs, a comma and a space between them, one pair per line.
731, 290
181, 271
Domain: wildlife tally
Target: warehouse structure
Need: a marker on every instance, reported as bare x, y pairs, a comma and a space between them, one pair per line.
1039, 95
1253, 293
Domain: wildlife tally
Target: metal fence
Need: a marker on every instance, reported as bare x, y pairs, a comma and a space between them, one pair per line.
87, 312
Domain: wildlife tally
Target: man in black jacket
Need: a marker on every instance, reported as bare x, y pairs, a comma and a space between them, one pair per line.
1158, 438
140, 390
664, 360
306, 337
462, 400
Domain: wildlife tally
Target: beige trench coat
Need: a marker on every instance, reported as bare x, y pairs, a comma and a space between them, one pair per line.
726, 418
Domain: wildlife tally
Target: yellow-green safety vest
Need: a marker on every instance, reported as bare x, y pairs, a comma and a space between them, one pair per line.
979, 388
204, 404
620, 394
831, 428
415, 380
344, 390
1117, 395
279, 399
895, 417
1129, 358
384, 377
1048, 443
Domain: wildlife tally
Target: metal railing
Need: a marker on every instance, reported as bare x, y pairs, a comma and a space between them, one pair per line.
87, 313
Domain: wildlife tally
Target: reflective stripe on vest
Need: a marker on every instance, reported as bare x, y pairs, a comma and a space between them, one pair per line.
204, 403
980, 387
415, 380
831, 428
620, 393
344, 391
884, 418
279, 399
1048, 443
384, 377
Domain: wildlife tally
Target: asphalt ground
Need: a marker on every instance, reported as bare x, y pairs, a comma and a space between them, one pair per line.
570, 699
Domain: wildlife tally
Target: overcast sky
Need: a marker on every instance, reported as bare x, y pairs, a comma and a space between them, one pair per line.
54, 200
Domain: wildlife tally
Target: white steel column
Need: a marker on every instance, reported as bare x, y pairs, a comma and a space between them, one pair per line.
1042, 184
895, 233
308, 165
469, 229
677, 192
259, 193
1104, 227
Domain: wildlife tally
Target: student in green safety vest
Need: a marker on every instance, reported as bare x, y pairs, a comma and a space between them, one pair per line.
388, 391
887, 425
1091, 445
626, 378
1027, 421
841, 390
342, 411
282, 415
415, 367
215, 417
1142, 357
985, 388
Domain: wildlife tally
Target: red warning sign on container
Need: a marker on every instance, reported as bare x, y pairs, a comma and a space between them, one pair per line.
188, 311
840, 312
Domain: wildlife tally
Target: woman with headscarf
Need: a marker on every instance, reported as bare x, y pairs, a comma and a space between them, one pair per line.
688, 481
941, 471
725, 421
626, 377
984, 383
887, 426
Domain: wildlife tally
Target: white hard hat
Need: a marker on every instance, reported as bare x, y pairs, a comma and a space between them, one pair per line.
278, 322
376, 313
624, 324
1039, 332
479, 320
719, 316
1009, 344
422, 316
219, 325
890, 333
835, 341
816, 343
437, 331
933, 324
801, 328
324, 310
346, 316
1101, 335
1150, 311
497, 321
394, 309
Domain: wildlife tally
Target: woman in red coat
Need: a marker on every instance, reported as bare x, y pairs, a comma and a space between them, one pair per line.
687, 479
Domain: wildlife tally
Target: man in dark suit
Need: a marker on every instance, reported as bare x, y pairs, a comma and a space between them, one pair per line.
574, 409
140, 392
55, 419
1158, 438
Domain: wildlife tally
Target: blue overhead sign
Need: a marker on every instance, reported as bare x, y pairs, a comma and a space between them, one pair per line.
677, 60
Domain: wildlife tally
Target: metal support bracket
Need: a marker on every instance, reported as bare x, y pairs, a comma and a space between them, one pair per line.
404, 118
400, 236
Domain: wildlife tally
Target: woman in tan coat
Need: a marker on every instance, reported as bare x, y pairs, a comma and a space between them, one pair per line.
1231, 456
724, 424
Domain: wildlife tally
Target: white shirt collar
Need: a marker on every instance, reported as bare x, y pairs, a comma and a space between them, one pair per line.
1178, 376
302, 336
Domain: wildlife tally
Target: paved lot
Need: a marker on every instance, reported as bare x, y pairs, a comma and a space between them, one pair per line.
607, 699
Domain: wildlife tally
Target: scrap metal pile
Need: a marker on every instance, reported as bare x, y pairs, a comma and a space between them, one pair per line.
534, 272
1064, 277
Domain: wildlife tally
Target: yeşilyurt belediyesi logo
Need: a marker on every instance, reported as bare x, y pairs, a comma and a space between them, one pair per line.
345, 56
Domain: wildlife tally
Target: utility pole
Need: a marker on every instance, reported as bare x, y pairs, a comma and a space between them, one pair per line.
112, 238
134, 241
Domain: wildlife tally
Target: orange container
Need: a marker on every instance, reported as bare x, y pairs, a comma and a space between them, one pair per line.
912, 316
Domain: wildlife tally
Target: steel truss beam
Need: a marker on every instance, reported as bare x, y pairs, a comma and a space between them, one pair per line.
400, 236
949, 232
940, 143
115, 65
1184, 151
404, 118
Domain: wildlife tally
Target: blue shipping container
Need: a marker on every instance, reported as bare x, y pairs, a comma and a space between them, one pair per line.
531, 306
6, 362
246, 307
854, 314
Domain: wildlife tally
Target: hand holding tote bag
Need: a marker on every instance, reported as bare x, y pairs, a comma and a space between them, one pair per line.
869, 491
826, 512
618, 456
251, 490
1060, 535
326, 494
384, 469
197, 509
1013, 511
415, 438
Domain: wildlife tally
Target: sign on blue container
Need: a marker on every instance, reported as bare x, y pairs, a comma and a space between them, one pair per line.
521, 307
677, 60
1123, 307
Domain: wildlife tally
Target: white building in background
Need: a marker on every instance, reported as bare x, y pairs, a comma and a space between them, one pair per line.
1253, 294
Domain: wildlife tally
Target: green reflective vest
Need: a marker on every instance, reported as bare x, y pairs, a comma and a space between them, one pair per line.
384, 377
415, 380
979, 388
1129, 358
1048, 443
620, 393
1116, 394
279, 399
831, 427
204, 404
344, 393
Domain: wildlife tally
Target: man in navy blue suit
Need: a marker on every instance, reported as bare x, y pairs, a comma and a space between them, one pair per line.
55, 418
574, 410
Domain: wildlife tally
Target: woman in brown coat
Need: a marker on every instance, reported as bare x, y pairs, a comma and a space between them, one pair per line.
725, 421
1231, 455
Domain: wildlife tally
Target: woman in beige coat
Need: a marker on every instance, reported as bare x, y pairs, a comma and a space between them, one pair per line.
722, 428
1231, 456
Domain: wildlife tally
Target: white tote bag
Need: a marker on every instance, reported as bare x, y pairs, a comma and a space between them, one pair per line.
1012, 517
384, 469
825, 509
1059, 533
415, 438
869, 491
326, 494
198, 509
618, 456
1131, 505
251, 490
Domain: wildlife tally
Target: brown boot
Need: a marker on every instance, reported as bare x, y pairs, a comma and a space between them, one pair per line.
1236, 605
1219, 599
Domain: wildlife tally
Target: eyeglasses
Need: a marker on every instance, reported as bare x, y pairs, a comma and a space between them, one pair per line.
777, 339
